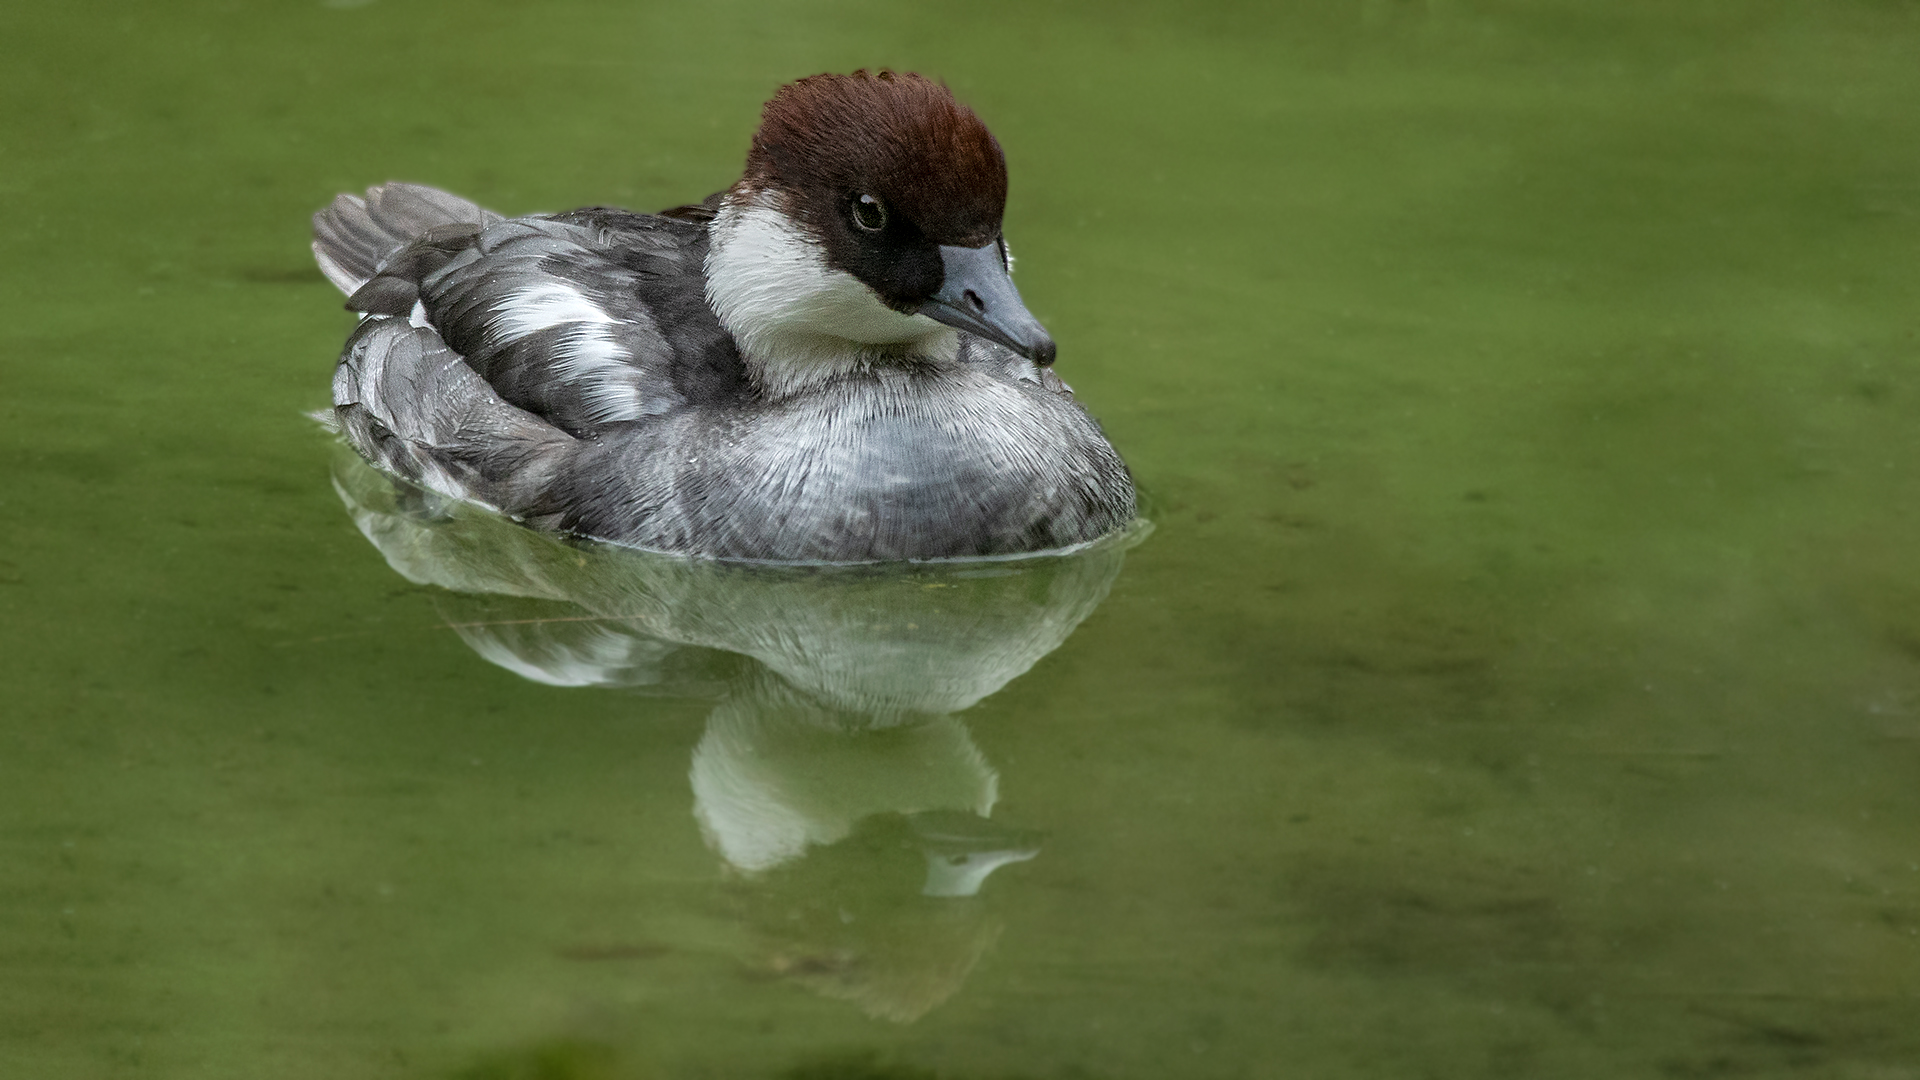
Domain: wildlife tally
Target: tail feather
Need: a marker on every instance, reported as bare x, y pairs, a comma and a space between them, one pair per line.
353, 235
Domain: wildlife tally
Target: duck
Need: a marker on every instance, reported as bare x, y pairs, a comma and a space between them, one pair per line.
826, 362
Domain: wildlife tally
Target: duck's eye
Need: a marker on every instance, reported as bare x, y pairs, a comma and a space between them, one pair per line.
869, 213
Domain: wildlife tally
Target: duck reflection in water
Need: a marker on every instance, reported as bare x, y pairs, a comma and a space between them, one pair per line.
833, 777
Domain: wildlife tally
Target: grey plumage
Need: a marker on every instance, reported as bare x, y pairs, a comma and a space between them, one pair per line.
568, 371
413, 407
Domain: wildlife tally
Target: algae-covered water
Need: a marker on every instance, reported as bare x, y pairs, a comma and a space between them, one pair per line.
1521, 675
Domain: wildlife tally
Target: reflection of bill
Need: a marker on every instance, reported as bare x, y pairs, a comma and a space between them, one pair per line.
836, 686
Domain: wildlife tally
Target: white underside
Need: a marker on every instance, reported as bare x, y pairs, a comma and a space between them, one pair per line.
800, 322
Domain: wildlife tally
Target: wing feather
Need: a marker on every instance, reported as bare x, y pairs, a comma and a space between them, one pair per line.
562, 315
584, 319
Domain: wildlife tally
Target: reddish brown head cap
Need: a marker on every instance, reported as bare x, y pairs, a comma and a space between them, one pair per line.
899, 138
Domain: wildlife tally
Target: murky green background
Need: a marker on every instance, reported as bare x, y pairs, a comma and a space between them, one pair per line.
1522, 678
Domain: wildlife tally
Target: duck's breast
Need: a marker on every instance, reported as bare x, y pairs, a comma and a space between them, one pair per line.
900, 465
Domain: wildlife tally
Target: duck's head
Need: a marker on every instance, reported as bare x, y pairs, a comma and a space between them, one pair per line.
867, 225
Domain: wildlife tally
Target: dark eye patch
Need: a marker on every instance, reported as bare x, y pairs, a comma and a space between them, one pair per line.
903, 269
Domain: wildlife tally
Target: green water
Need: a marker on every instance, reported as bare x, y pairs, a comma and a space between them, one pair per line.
1521, 678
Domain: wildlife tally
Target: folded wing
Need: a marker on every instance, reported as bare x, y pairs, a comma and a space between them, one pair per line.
585, 319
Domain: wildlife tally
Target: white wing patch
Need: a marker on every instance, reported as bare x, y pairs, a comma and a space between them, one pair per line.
543, 307
585, 353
